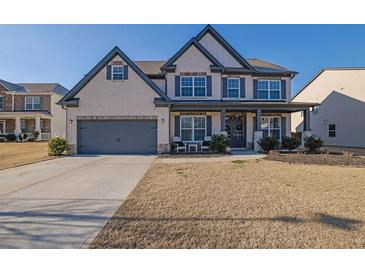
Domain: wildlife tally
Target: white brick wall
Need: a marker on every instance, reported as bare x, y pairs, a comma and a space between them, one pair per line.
132, 97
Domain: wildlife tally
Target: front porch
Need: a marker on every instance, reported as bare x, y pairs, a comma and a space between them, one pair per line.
27, 123
244, 124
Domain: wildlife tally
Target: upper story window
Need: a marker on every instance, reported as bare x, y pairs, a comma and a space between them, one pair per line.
117, 73
1, 102
269, 89
233, 87
33, 103
193, 86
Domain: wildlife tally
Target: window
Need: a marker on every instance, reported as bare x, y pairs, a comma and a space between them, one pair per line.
117, 73
332, 130
192, 128
233, 87
193, 86
42, 125
1, 102
269, 89
271, 127
33, 103
22, 125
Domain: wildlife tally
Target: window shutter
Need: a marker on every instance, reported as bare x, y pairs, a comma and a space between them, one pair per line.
177, 86
242, 87
283, 127
177, 126
209, 86
283, 89
224, 87
255, 89
125, 72
108, 72
209, 125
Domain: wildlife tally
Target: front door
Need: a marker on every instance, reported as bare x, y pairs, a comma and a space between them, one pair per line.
236, 131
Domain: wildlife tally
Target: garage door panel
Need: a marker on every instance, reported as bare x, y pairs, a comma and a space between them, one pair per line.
117, 136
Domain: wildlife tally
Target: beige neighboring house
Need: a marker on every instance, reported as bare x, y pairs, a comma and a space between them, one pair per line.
340, 118
29, 107
205, 88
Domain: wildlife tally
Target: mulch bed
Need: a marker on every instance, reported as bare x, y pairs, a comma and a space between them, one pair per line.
318, 159
193, 155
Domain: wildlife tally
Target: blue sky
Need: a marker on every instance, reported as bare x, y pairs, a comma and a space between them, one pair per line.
64, 53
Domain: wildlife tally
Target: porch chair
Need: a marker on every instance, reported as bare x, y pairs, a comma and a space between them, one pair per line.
178, 145
206, 143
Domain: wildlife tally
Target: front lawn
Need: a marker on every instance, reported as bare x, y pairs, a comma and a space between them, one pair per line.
241, 204
15, 154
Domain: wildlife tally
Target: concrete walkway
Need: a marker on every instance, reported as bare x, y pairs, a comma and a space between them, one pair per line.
63, 203
236, 155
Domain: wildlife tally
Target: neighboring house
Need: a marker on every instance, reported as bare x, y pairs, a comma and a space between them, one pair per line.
26, 107
340, 119
206, 88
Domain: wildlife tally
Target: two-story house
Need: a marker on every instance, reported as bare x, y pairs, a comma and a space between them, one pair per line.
206, 88
29, 107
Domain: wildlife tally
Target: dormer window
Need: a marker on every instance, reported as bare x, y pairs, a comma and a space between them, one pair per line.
117, 73
193, 86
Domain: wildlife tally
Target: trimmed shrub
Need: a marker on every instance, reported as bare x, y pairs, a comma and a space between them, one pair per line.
219, 143
24, 136
11, 137
268, 143
313, 143
31, 139
35, 134
57, 146
2, 139
290, 143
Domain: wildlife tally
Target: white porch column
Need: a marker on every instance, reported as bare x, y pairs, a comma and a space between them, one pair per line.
18, 129
258, 134
307, 132
38, 125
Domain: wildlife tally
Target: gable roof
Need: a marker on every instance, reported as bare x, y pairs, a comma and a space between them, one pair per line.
12, 87
192, 42
99, 66
209, 29
259, 63
320, 72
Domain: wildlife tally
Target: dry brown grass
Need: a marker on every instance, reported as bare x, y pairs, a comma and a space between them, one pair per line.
15, 154
241, 204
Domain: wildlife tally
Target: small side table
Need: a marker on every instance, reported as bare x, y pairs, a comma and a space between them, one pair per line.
193, 146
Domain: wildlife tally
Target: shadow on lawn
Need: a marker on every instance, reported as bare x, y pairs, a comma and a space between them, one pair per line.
326, 219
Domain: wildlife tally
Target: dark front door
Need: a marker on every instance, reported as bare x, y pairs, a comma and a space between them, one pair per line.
117, 136
236, 131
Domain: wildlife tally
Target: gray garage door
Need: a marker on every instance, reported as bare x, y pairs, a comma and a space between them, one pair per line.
117, 136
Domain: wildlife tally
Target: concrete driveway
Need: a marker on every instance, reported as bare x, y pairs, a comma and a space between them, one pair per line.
63, 203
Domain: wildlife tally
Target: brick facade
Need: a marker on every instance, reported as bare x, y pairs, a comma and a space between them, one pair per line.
19, 102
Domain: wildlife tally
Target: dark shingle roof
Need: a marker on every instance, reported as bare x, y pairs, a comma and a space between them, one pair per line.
150, 67
153, 67
12, 87
34, 87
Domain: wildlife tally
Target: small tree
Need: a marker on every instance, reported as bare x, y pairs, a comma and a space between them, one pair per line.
57, 146
268, 143
35, 134
219, 143
313, 143
290, 143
